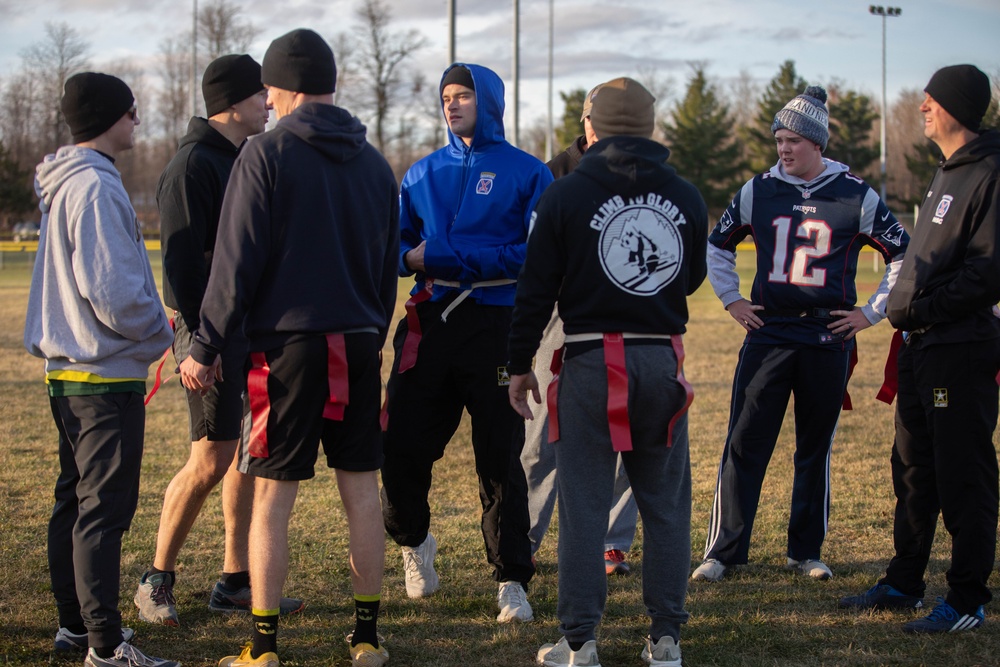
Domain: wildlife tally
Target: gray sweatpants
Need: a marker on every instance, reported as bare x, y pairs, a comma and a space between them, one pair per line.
538, 457
661, 485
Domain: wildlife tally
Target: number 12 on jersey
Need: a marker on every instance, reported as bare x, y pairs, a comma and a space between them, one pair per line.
812, 240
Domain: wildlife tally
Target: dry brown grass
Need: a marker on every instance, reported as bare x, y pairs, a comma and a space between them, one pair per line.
761, 616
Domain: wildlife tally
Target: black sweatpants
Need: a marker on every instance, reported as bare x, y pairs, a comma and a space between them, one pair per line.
766, 376
943, 459
100, 454
461, 364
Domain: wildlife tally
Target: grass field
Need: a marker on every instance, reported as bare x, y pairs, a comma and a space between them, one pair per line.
761, 616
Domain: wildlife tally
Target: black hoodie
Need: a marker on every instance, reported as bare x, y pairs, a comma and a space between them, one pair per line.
308, 238
620, 242
189, 197
950, 277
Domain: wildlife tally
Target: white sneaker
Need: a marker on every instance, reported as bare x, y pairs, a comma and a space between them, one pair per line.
418, 566
816, 569
561, 655
664, 653
513, 603
67, 641
127, 655
710, 570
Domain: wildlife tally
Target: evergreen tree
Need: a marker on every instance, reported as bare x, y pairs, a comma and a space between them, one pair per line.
700, 139
758, 140
571, 126
851, 119
922, 161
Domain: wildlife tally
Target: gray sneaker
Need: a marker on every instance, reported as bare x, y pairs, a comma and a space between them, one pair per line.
155, 599
710, 570
127, 655
810, 567
68, 641
230, 601
664, 653
561, 655
418, 567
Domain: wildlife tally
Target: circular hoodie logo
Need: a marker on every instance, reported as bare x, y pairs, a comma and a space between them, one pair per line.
641, 250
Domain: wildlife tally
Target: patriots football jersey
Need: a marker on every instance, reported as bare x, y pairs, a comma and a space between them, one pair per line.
808, 238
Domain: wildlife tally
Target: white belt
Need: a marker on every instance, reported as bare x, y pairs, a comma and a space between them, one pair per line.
467, 291
585, 337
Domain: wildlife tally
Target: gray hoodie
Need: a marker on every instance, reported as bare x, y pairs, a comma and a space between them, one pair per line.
93, 305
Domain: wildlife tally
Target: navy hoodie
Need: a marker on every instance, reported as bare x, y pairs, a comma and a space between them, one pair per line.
308, 237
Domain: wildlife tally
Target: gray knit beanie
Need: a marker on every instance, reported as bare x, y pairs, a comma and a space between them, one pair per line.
806, 115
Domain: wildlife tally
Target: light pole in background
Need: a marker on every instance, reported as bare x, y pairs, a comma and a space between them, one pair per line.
884, 12
194, 60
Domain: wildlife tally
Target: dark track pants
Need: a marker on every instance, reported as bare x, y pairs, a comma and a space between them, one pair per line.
943, 459
461, 364
100, 452
766, 375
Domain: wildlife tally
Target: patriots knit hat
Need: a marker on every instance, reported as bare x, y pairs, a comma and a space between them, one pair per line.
806, 115
622, 107
457, 74
92, 102
300, 61
588, 102
228, 80
963, 91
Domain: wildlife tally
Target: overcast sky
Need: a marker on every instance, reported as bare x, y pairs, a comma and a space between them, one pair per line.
594, 41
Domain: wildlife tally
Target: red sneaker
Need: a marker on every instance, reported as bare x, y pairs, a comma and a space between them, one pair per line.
615, 563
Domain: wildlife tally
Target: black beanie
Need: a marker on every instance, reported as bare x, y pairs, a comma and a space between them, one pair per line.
459, 74
92, 102
963, 91
302, 62
228, 80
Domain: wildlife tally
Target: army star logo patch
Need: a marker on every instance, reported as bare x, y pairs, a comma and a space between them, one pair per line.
503, 376
940, 398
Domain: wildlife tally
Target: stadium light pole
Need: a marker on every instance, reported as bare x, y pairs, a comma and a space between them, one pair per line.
194, 60
517, 71
884, 12
451, 32
549, 129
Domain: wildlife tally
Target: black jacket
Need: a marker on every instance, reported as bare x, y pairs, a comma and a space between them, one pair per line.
620, 242
189, 197
950, 277
308, 238
567, 161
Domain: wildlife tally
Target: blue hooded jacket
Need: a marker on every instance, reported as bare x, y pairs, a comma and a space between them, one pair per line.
472, 204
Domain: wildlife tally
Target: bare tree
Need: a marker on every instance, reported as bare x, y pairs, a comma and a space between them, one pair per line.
662, 88
382, 54
172, 102
221, 30
18, 119
51, 62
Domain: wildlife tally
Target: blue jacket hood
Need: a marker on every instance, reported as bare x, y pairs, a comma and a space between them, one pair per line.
489, 107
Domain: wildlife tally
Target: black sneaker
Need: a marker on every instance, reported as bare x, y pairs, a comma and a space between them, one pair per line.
229, 601
68, 641
944, 618
881, 596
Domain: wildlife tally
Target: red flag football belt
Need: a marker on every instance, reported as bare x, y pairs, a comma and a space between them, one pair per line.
408, 357
159, 381
260, 401
614, 360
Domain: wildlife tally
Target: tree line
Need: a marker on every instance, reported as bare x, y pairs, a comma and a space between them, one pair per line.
718, 134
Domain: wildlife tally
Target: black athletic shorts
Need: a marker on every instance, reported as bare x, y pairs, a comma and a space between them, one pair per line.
218, 415
289, 393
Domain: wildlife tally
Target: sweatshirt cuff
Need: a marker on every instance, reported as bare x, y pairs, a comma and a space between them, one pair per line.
519, 367
203, 354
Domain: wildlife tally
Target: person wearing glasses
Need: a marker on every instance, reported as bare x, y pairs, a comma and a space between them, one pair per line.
96, 319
